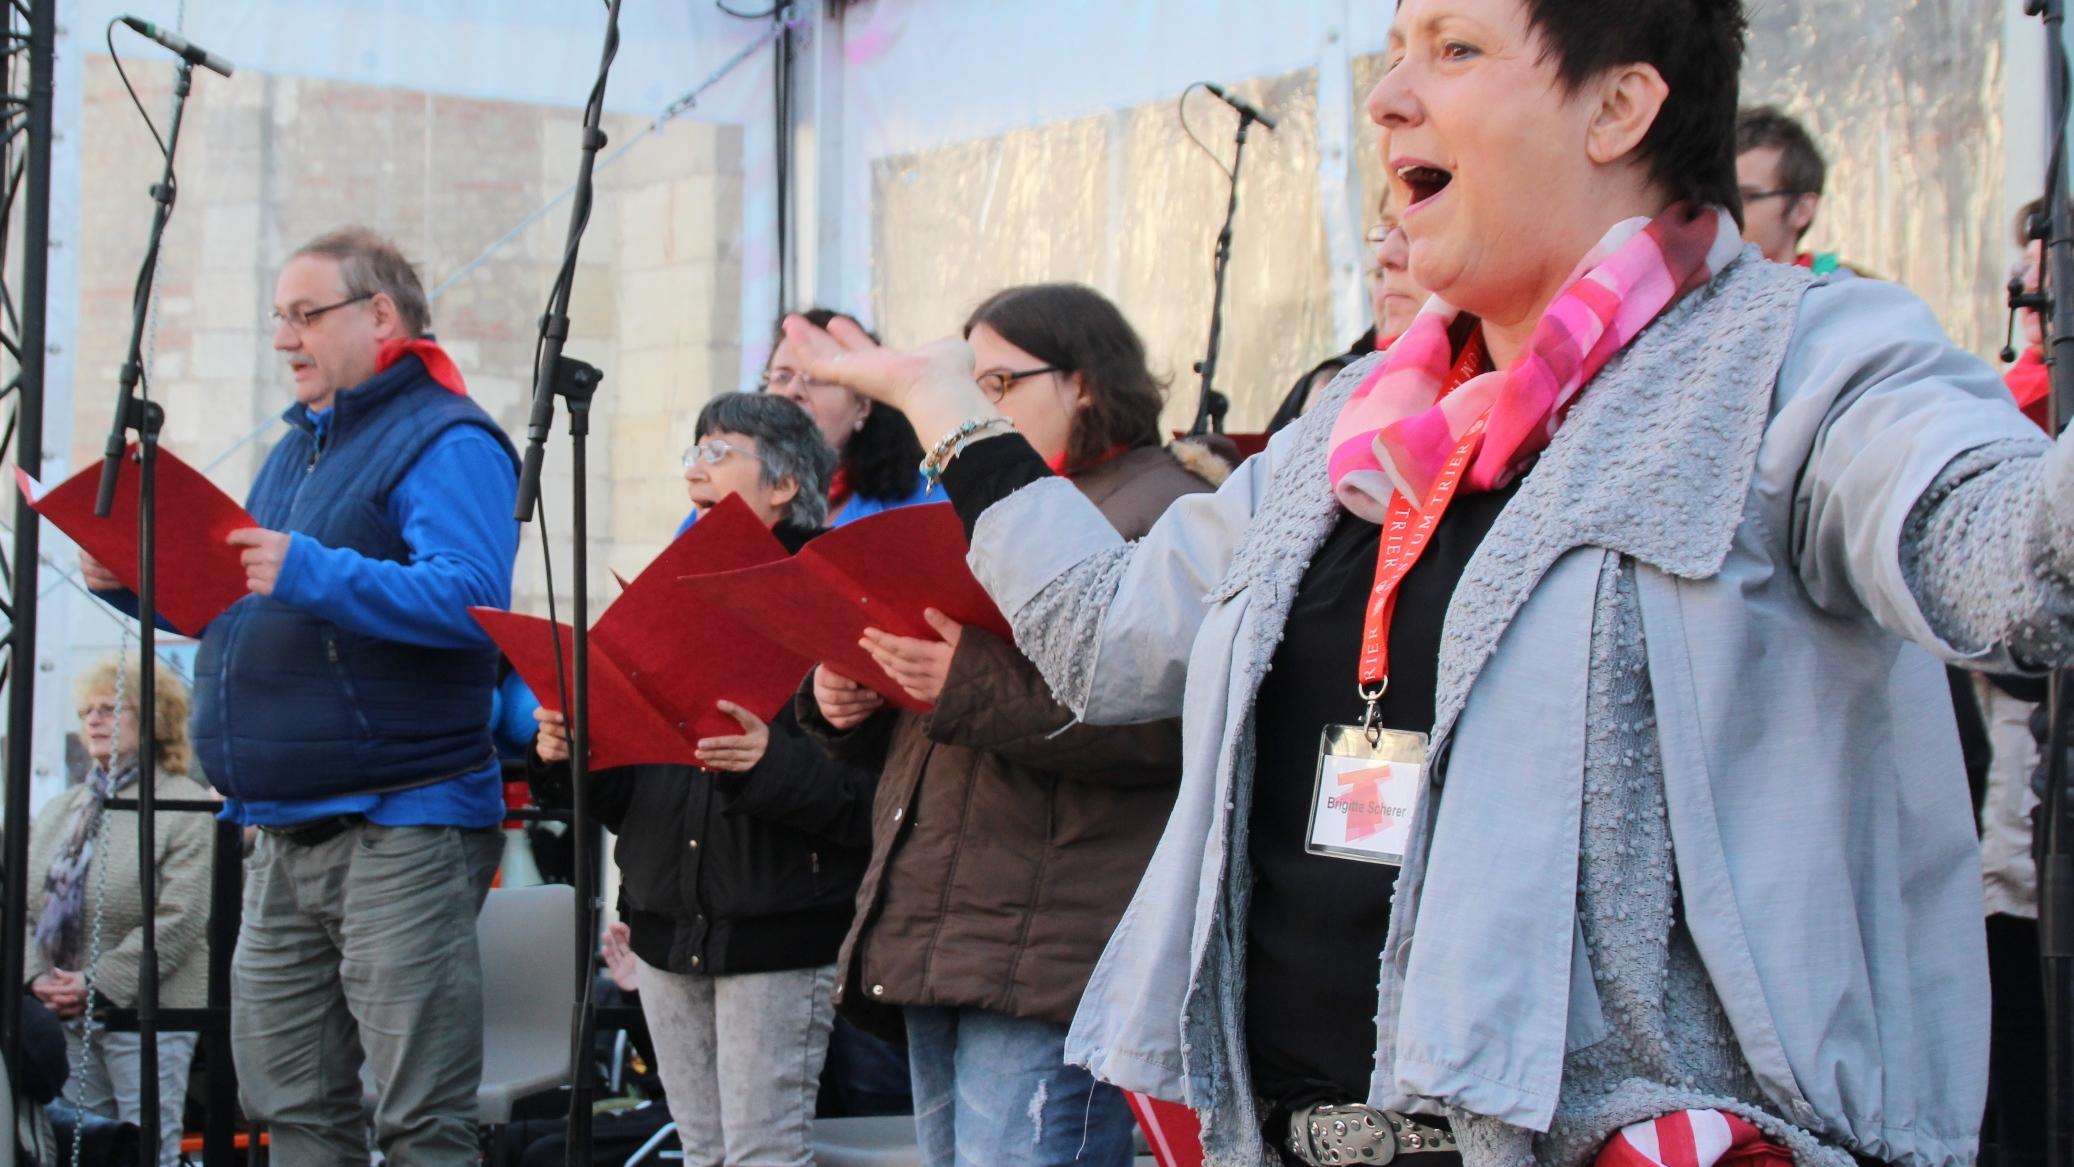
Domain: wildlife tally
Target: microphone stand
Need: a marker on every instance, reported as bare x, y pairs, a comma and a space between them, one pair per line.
560, 376
1211, 406
134, 411
2056, 851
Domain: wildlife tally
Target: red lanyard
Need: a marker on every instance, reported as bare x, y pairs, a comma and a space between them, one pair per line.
1406, 532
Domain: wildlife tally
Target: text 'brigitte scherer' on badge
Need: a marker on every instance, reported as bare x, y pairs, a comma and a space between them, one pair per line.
1367, 793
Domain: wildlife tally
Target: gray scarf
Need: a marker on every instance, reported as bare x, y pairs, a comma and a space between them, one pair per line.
60, 926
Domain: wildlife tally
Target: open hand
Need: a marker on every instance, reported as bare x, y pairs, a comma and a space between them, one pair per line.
919, 667
736, 753
620, 962
932, 385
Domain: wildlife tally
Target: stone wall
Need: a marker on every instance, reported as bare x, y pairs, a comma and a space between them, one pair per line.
266, 162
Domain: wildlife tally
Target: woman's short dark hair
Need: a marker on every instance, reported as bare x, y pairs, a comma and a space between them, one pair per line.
1697, 46
788, 445
883, 459
1076, 329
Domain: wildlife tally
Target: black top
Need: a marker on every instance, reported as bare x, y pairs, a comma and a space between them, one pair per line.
1317, 923
1316, 926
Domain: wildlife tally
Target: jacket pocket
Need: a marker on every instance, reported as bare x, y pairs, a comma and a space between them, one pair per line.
342, 672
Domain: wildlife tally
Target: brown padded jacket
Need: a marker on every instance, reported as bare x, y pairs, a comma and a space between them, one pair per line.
1006, 838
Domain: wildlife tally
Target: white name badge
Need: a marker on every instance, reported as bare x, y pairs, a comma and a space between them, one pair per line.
1367, 794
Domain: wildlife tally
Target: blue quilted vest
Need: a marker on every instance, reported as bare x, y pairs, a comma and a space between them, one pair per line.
291, 706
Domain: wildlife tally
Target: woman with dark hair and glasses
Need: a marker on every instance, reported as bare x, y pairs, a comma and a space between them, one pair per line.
876, 450
1570, 772
738, 876
1005, 832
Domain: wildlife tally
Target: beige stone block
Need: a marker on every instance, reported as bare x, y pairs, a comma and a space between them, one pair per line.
466, 353
501, 397
679, 149
231, 298
628, 511
594, 301
647, 383
664, 306
643, 230
644, 449
724, 281
706, 217
169, 365
232, 235
225, 352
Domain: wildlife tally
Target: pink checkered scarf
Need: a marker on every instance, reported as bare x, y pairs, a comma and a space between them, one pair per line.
1398, 430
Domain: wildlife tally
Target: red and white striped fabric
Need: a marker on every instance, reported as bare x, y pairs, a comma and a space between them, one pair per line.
1692, 1138
1171, 1130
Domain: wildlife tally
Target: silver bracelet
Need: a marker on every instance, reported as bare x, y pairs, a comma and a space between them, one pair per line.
953, 443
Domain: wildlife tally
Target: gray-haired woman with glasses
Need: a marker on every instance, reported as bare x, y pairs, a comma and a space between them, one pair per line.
738, 876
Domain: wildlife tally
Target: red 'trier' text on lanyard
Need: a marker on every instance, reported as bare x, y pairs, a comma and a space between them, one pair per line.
1406, 531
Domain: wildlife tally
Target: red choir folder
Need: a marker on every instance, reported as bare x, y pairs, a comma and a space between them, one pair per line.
658, 664
879, 572
199, 575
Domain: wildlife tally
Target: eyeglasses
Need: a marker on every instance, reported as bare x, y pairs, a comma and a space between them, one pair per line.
300, 318
779, 380
98, 709
997, 383
1755, 196
713, 453
1378, 234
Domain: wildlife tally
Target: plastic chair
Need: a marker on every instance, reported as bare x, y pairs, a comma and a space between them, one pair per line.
838, 1142
528, 940
887, 1141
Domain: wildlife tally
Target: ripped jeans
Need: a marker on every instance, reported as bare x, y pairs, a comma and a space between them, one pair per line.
994, 1090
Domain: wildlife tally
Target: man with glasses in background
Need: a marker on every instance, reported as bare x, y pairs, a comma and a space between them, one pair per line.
343, 708
1780, 173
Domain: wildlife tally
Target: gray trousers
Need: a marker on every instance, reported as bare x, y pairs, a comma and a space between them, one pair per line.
740, 1059
110, 1083
363, 945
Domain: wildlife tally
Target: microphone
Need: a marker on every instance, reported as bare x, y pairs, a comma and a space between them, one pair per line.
1244, 107
180, 46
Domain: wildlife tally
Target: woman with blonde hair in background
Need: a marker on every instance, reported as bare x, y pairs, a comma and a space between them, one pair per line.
86, 929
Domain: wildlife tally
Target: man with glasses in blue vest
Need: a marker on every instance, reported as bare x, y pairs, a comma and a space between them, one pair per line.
343, 708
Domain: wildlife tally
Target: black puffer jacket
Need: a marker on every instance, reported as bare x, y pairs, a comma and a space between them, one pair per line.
735, 873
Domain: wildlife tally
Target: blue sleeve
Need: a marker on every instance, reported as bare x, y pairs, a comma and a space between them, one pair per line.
511, 717
125, 601
454, 508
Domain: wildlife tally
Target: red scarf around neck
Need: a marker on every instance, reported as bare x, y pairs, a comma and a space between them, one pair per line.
439, 366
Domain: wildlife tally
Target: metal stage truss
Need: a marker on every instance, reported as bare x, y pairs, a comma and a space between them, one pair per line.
26, 65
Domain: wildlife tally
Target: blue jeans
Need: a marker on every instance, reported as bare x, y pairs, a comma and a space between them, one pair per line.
995, 1090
